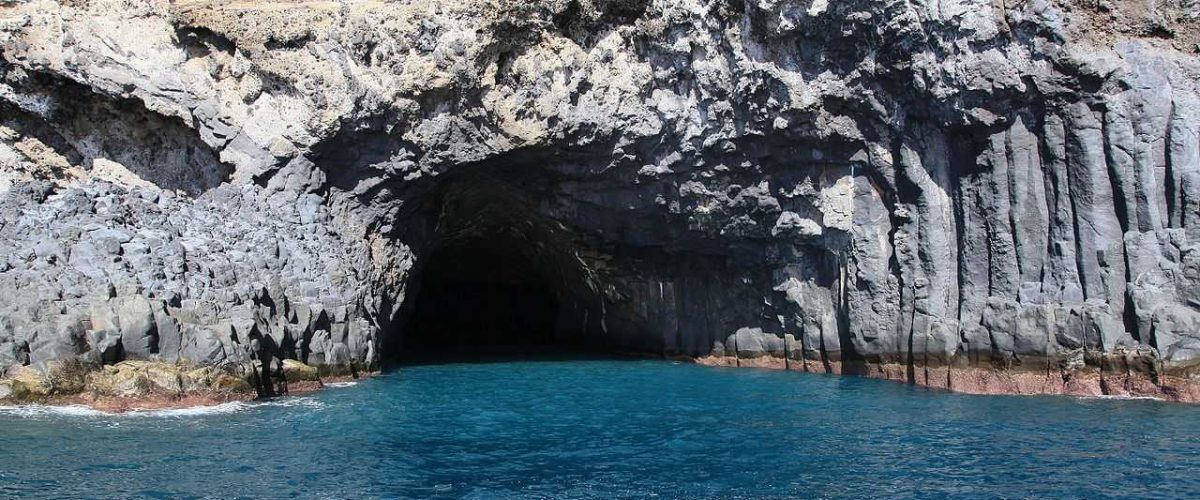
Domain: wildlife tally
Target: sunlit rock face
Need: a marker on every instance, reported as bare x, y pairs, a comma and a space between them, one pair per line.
954, 193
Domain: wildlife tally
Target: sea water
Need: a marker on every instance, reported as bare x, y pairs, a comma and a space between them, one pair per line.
610, 429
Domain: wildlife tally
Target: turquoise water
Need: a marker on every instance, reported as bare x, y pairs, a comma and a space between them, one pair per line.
634, 429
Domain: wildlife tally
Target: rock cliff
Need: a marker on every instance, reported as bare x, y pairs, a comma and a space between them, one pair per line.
979, 195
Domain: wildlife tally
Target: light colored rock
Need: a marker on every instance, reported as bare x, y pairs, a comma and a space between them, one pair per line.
26, 383
137, 378
199, 379
116, 173
112, 381
297, 371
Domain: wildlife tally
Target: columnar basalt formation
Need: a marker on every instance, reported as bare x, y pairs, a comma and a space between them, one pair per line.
976, 195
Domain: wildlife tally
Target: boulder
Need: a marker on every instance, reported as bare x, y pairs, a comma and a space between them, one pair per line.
230, 384
297, 371
139, 330
137, 378
112, 381
27, 384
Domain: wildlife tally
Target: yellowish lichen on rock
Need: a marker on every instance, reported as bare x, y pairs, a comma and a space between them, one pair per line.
297, 371
24, 384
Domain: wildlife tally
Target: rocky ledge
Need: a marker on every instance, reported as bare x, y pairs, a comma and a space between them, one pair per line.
997, 197
151, 385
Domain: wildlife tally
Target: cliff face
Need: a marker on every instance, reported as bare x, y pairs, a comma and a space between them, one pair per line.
957, 193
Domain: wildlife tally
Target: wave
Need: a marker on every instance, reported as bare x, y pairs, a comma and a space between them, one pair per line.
1120, 397
37, 411
342, 384
32, 411
191, 411
286, 402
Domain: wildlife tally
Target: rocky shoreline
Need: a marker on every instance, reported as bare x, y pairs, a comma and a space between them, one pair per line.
153, 385
1051, 380
148, 386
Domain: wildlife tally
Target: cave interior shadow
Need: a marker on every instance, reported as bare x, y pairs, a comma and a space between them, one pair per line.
494, 282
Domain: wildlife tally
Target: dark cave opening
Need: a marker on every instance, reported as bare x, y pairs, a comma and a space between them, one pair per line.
478, 300
493, 280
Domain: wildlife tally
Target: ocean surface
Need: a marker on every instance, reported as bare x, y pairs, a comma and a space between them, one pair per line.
610, 429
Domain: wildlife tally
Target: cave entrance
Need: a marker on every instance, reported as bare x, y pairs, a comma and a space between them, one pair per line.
480, 300
493, 280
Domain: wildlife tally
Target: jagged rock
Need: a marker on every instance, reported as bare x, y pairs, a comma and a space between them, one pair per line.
224, 382
26, 384
136, 378
139, 331
753, 342
107, 345
113, 381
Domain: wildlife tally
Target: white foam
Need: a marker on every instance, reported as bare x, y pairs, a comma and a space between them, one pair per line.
230, 407
29, 411
1122, 397
342, 384
191, 411
307, 402
34, 410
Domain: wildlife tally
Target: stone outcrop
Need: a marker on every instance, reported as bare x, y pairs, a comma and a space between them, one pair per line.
964, 194
107, 273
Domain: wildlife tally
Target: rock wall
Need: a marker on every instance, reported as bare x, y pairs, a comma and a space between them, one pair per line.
105, 273
962, 193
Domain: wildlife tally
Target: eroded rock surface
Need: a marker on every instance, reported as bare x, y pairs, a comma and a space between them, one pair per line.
965, 193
